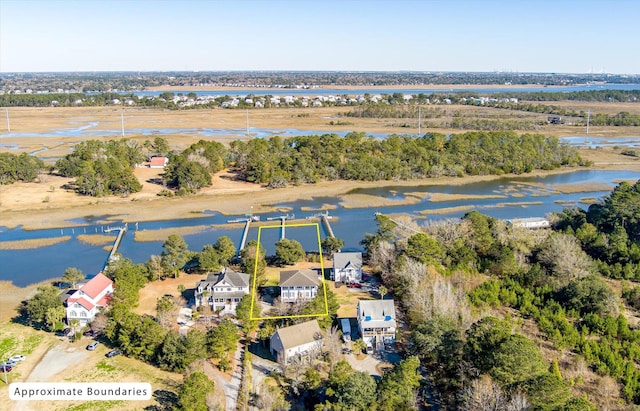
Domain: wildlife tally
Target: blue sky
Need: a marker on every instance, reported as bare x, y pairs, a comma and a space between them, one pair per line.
578, 36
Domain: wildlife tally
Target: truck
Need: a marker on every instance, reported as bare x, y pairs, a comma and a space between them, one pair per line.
346, 329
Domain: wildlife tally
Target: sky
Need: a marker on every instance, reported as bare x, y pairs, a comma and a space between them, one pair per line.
561, 36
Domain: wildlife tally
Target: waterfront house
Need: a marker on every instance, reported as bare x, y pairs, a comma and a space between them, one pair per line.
377, 322
301, 340
84, 303
222, 291
347, 267
298, 285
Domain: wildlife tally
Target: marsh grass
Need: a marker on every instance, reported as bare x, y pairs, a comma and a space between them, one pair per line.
33, 243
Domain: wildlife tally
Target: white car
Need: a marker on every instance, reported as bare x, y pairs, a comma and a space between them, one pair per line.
17, 358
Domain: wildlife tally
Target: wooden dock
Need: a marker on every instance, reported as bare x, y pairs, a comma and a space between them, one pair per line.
116, 244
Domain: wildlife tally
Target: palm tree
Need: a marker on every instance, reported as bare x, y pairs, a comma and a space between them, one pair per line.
359, 345
382, 290
74, 324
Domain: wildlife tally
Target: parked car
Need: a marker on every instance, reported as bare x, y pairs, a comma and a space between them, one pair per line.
88, 333
9, 363
5, 367
369, 349
354, 285
113, 353
66, 332
92, 346
17, 358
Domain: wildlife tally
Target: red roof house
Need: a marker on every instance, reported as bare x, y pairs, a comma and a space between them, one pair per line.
84, 304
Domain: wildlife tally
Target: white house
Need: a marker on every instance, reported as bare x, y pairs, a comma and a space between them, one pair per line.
222, 291
531, 222
298, 285
377, 321
84, 304
301, 340
347, 267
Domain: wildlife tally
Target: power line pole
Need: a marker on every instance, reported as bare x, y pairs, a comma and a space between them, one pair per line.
588, 120
8, 125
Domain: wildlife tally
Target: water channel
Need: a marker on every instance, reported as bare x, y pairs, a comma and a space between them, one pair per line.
520, 197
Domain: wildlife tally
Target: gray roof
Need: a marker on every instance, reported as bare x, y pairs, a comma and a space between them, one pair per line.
344, 260
233, 278
299, 334
298, 278
377, 313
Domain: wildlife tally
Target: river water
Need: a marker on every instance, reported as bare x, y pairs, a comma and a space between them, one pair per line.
523, 197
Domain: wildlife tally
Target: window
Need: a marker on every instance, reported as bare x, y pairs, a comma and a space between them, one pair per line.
83, 314
73, 314
239, 288
229, 289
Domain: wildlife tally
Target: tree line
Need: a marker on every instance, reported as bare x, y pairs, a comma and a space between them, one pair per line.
455, 279
308, 159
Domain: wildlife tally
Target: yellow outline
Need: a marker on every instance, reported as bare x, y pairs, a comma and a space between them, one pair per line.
254, 289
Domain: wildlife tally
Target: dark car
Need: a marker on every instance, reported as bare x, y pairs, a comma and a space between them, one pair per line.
5, 367
66, 332
113, 353
354, 285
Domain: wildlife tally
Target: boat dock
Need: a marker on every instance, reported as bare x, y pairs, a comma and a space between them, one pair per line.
245, 233
324, 217
282, 219
116, 244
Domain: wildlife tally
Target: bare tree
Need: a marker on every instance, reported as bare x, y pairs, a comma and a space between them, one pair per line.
333, 346
564, 258
483, 394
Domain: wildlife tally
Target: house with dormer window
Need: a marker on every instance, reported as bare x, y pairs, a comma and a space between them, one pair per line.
222, 291
298, 285
347, 267
377, 322
84, 304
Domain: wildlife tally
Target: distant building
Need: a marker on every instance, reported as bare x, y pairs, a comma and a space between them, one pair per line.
222, 291
347, 267
532, 222
84, 304
296, 285
302, 340
377, 321
554, 119
158, 162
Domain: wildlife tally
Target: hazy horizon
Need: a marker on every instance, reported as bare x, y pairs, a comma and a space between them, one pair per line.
564, 37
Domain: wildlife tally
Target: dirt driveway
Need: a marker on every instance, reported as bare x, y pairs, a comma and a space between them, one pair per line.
58, 359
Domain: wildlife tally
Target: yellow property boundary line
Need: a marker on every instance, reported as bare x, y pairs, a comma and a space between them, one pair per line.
254, 288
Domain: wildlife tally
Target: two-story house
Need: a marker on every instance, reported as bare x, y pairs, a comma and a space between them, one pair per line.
303, 340
84, 304
377, 322
298, 285
347, 267
222, 291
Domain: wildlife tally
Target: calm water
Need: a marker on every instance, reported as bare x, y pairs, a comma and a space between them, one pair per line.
29, 266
